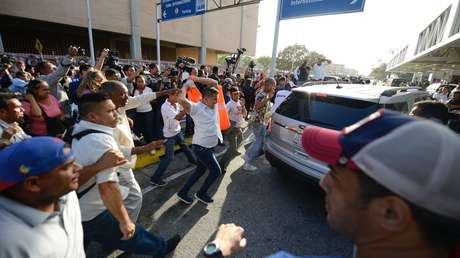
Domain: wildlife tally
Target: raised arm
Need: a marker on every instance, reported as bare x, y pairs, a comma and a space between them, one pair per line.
101, 59
184, 103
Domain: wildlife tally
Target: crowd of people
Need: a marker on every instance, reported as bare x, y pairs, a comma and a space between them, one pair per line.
69, 140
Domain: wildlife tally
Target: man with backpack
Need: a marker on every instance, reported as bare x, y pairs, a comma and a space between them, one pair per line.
104, 216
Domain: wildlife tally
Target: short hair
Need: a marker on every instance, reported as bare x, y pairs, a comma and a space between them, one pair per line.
270, 81
90, 103
84, 67
210, 91
215, 69
202, 67
282, 78
153, 65
4, 101
110, 72
41, 65
20, 74
33, 85
110, 87
432, 109
440, 232
127, 67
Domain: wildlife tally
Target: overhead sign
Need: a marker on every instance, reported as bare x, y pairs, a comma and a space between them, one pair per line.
303, 8
175, 9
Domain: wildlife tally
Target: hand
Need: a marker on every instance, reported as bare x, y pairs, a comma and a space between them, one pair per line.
128, 229
130, 122
9, 132
111, 158
230, 239
73, 51
104, 53
242, 102
155, 145
29, 97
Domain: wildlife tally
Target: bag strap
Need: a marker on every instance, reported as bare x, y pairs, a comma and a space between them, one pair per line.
86, 132
78, 136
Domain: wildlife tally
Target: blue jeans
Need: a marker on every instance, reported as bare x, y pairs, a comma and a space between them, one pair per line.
104, 229
256, 148
206, 160
169, 155
143, 124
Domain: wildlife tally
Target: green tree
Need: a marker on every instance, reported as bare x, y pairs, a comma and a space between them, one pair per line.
263, 62
379, 72
291, 57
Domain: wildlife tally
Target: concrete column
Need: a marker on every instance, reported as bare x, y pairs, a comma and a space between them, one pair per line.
204, 38
2, 49
135, 42
242, 27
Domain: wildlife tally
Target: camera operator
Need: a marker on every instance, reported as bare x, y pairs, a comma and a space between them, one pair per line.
45, 68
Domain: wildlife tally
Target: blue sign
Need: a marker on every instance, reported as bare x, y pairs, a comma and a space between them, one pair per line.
174, 9
303, 8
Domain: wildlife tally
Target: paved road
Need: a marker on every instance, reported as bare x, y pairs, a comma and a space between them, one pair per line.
278, 213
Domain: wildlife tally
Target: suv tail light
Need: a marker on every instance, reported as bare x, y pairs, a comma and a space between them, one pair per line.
269, 127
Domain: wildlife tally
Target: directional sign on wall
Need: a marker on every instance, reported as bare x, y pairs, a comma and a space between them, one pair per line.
175, 9
303, 8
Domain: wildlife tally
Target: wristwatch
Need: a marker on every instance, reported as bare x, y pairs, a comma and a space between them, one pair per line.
212, 250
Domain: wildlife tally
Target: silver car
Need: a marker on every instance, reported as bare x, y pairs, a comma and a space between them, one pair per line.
329, 106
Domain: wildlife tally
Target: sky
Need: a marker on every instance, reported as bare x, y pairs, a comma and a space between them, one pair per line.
358, 40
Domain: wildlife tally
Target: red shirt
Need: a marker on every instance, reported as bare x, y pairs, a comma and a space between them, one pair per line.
37, 125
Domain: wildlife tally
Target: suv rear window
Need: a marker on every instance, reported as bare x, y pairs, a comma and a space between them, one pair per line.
325, 111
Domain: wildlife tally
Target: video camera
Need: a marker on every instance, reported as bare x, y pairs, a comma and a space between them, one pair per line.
233, 60
185, 63
6, 60
112, 61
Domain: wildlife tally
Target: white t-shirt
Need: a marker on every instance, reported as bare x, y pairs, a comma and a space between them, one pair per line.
279, 98
319, 71
235, 112
146, 107
207, 128
171, 125
87, 151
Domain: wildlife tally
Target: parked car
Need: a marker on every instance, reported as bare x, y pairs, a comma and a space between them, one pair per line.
329, 106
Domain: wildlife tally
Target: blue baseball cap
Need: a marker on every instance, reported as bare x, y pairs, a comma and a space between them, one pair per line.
32, 157
414, 158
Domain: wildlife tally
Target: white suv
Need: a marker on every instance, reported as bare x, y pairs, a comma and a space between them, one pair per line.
331, 106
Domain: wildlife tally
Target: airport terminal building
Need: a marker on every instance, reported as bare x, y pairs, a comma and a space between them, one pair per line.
434, 53
127, 26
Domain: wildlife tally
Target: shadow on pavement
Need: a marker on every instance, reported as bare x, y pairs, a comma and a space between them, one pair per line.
279, 213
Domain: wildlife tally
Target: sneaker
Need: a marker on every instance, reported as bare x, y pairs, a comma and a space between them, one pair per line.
204, 198
185, 199
249, 167
158, 182
172, 243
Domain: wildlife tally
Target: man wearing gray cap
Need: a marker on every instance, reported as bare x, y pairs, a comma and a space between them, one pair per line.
385, 190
